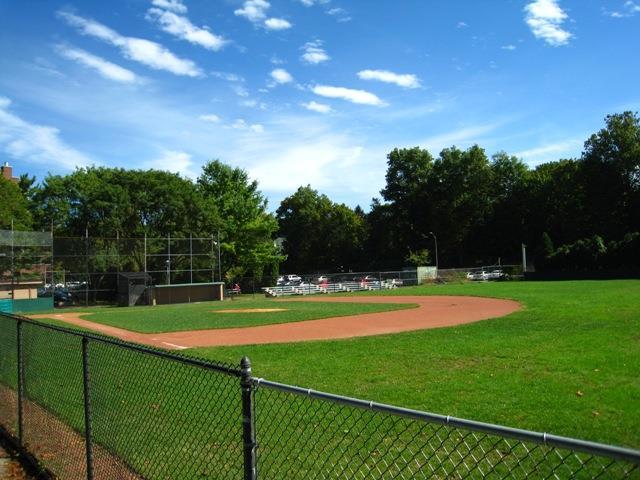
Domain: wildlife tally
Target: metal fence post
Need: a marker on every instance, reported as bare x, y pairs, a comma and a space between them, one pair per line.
87, 407
20, 383
248, 421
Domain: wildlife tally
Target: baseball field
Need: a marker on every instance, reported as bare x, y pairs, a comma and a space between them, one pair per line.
566, 362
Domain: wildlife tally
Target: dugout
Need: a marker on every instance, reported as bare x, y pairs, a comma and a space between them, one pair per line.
186, 293
132, 289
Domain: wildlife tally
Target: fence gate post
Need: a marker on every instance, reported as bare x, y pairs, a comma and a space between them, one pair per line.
87, 407
20, 383
248, 421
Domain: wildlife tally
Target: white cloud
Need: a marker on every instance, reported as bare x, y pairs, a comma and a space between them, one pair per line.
276, 24
210, 117
173, 5
351, 95
550, 152
103, 67
629, 9
461, 25
280, 75
230, 77
311, 3
317, 107
240, 91
406, 80
174, 161
545, 19
182, 28
462, 137
340, 14
314, 53
38, 144
508, 47
256, 12
240, 124
140, 50
253, 10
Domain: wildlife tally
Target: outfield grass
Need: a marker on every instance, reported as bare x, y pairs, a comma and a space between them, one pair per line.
568, 363
208, 315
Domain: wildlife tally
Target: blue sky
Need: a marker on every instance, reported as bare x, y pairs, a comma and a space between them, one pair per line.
307, 91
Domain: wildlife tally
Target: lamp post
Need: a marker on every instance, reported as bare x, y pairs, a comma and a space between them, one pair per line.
436, 242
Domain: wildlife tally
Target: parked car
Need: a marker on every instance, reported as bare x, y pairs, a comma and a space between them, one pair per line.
62, 297
322, 279
292, 278
396, 282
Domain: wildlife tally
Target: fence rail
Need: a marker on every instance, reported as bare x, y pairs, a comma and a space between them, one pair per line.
90, 406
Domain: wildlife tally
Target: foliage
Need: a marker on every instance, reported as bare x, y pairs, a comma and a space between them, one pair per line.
419, 258
320, 234
234, 205
14, 207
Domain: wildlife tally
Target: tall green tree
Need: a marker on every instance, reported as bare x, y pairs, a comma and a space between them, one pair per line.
320, 234
14, 207
611, 164
233, 204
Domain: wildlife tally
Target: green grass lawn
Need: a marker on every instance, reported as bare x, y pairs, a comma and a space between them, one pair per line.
207, 315
568, 363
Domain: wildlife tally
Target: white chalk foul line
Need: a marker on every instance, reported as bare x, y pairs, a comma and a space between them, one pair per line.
178, 347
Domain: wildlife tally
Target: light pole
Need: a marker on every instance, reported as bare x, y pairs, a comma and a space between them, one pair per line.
436, 241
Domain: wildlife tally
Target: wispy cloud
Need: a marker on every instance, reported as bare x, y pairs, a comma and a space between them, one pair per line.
281, 76
241, 124
276, 24
462, 137
406, 80
210, 117
461, 25
182, 27
172, 5
174, 161
629, 9
545, 19
228, 76
340, 14
256, 12
317, 107
149, 53
240, 91
105, 68
508, 47
33, 143
550, 152
314, 53
311, 3
349, 94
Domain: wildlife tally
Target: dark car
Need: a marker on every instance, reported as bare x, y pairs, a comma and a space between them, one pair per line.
62, 297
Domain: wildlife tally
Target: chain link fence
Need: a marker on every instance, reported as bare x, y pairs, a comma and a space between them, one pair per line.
88, 406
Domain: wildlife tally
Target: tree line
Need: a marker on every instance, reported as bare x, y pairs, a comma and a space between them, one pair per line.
580, 213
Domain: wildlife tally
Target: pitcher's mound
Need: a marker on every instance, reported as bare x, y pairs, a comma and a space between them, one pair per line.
250, 310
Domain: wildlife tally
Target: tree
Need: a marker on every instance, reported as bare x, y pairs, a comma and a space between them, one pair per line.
110, 201
234, 205
14, 207
320, 234
611, 163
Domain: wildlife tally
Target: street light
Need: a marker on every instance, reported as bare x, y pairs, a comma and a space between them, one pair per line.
436, 241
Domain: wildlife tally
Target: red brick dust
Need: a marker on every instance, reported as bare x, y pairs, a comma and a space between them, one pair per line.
431, 312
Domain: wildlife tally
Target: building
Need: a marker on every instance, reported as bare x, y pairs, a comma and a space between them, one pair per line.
7, 172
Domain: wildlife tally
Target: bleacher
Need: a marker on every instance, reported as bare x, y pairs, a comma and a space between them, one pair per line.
313, 289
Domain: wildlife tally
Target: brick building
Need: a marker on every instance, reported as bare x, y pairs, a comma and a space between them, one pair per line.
7, 172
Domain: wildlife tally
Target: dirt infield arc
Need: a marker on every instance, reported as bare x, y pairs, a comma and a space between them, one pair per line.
431, 312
